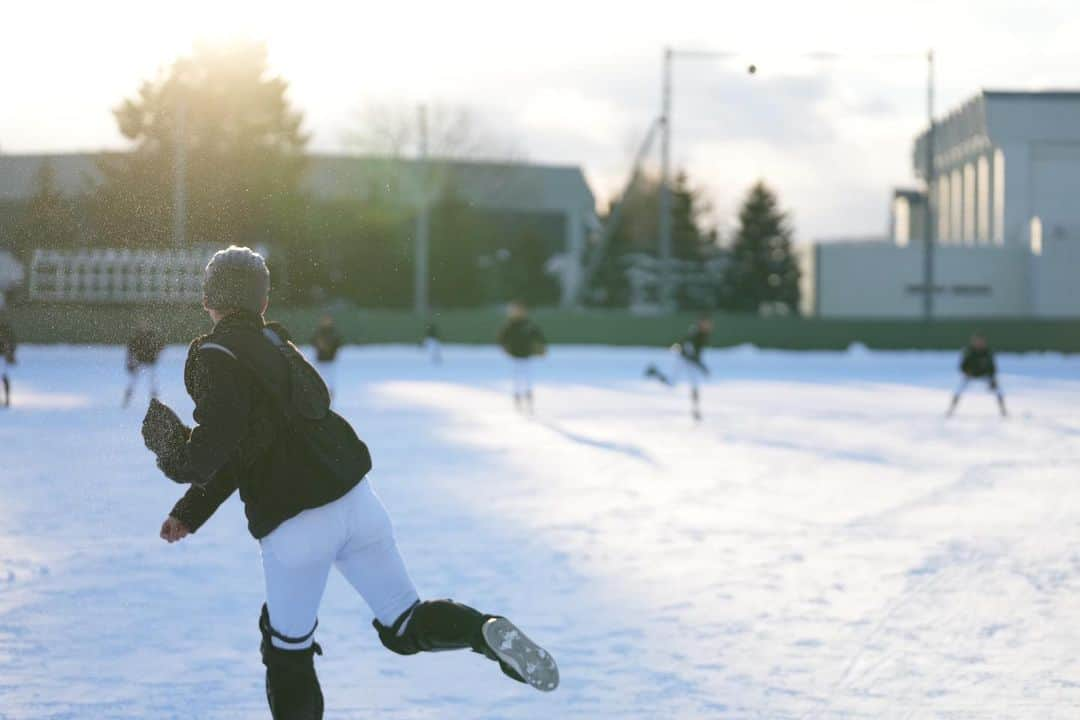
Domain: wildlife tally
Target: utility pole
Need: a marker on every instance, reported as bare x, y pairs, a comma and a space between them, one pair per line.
179, 171
931, 227
420, 284
665, 182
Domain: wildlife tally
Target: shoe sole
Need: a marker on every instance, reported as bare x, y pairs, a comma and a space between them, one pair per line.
534, 664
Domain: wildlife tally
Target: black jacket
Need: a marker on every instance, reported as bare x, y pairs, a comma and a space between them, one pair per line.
251, 436
326, 342
693, 344
520, 338
143, 348
978, 363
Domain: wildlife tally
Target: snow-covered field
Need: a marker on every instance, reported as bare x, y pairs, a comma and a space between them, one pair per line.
823, 545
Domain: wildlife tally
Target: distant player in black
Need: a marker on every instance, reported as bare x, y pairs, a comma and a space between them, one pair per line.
327, 341
688, 362
432, 342
143, 350
977, 363
7, 358
522, 340
264, 427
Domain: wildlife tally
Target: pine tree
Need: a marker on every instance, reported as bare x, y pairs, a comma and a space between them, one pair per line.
50, 220
763, 270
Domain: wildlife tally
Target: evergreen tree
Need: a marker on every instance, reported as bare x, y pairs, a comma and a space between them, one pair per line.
50, 220
243, 146
763, 270
691, 236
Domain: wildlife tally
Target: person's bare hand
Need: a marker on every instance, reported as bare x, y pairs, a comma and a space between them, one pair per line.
172, 530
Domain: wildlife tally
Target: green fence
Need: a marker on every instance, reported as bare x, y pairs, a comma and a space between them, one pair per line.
80, 324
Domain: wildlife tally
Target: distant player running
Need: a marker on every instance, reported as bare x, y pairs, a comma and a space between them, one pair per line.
264, 427
688, 362
522, 340
978, 363
327, 341
143, 350
7, 358
432, 342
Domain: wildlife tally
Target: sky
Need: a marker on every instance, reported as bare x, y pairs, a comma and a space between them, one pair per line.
578, 82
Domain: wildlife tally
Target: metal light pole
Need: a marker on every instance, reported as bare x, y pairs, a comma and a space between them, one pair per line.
930, 232
665, 181
179, 171
423, 221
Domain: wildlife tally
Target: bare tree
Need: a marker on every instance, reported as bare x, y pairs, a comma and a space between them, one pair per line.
455, 132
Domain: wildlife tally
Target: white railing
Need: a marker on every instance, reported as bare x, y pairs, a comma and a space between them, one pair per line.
118, 276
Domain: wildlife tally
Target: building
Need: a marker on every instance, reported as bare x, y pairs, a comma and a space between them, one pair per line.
548, 205
1004, 203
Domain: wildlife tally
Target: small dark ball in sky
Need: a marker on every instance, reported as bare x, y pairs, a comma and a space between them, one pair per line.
752, 69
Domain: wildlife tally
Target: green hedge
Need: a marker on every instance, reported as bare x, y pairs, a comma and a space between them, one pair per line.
80, 324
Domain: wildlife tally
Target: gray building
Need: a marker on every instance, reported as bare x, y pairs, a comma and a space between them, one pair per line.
554, 202
1004, 195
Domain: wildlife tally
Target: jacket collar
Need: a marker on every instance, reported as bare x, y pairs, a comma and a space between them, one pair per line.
239, 319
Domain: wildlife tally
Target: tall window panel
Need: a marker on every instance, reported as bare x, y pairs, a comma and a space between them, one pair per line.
969, 204
983, 229
999, 197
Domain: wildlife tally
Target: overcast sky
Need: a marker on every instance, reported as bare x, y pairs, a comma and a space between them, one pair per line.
578, 82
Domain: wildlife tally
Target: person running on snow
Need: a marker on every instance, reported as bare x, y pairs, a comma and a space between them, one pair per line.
143, 350
687, 362
264, 427
977, 363
327, 341
7, 358
522, 340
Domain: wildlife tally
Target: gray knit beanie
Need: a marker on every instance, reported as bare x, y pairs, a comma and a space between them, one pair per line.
236, 278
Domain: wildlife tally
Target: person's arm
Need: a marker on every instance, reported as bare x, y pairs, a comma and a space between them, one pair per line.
201, 501
222, 408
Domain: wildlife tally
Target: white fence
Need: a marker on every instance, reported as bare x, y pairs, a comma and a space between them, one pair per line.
118, 276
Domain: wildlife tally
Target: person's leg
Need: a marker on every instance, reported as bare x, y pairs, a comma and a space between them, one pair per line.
151, 371
527, 383
133, 380
373, 565
693, 375
518, 376
1000, 395
956, 396
6, 380
296, 562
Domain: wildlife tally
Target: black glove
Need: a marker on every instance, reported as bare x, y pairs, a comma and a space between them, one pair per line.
163, 432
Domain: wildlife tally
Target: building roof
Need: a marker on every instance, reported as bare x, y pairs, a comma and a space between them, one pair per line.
492, 185
996, 117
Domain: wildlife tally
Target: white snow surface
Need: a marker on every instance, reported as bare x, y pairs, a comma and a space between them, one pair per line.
824, 545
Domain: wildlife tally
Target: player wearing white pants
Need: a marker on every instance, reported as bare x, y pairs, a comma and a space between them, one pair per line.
264, 427
522, 340
353, 534
137, 371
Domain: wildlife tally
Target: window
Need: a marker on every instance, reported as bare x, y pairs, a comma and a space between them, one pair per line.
943, 209
999, 197
1036, 236
956, 219
969, 204
901, 221
983, 229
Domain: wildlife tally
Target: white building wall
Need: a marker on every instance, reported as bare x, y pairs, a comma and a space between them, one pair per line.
882, 280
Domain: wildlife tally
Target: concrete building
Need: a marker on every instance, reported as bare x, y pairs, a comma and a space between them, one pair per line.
547, 204
1005, 197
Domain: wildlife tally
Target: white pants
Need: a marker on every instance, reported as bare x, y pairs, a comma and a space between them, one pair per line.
991, 384
681, 369
354, 533
434, 350
522, 375
143, 369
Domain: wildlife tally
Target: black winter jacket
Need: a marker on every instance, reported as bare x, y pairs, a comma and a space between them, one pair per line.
978, 363
520, 338
249, 437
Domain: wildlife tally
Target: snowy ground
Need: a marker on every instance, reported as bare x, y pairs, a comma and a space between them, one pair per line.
824, 545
